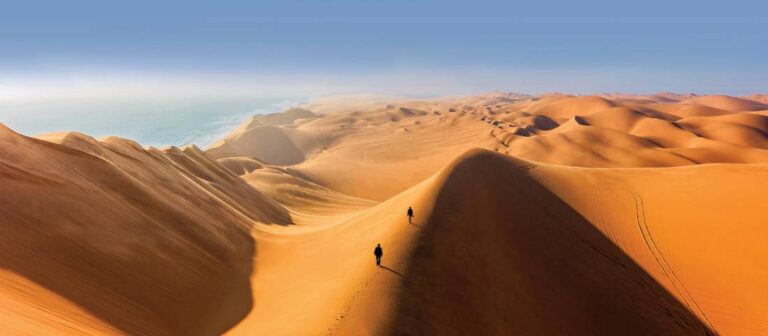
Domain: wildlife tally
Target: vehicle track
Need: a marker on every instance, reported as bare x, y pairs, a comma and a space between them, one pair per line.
665, 266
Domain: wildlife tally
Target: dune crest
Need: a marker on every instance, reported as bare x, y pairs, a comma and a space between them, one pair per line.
536, 214
553, 272
142, 241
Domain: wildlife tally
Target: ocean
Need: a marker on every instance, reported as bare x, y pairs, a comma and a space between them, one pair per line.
155, 122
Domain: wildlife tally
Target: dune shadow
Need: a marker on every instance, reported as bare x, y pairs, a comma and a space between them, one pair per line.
516, 259
144, 294
267, 143
140, 262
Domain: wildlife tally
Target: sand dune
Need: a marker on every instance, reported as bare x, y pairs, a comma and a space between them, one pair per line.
728, 103
692, 228
760, 98
122, 238
547, 215
746, 130
567, 107
241, 165
520, 260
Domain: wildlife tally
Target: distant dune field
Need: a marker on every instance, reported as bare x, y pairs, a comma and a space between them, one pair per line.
612, 214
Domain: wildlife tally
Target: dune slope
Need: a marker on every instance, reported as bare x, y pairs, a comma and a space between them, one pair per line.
546, 215
509, 245
517, 259
123, 238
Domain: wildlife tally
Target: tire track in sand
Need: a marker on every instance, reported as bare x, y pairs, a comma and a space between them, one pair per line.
665, 266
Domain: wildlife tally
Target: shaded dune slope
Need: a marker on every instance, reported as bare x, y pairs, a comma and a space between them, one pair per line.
728, 103
272, 138
554, 226
597, 132
142, 241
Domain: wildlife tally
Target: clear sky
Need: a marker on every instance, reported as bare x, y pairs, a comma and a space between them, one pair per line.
104, 47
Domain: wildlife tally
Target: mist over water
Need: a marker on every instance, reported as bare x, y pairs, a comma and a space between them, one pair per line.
151, 122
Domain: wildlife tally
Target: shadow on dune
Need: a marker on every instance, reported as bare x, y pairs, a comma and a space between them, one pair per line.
502, 255
144, 248
144, 294
266, 143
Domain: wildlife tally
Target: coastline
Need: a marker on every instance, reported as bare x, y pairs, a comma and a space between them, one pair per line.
157, 123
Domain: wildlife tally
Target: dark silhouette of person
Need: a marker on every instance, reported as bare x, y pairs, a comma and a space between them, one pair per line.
378, 252
410, 215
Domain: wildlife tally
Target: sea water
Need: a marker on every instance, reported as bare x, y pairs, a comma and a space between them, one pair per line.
155, 122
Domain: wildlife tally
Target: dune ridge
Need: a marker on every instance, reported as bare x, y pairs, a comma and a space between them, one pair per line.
537, 214
144, 241
553, 272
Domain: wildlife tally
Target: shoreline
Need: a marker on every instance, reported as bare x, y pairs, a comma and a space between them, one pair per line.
150, 123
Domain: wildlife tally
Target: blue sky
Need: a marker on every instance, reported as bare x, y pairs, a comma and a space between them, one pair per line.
83, 48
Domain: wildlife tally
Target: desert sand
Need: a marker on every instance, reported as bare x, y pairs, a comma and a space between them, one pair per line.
554, 214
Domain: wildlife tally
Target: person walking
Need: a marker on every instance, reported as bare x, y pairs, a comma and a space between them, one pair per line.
378, 252
410, 214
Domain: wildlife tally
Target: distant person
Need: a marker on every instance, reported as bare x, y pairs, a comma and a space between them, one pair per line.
378, 252
410, 215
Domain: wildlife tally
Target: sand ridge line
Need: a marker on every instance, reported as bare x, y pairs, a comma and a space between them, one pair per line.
351, 303
361, 291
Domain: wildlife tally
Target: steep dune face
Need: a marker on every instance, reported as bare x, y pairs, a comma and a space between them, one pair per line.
226, 186
286, 117
293, 190
664, 133
565, 108
632, 134
618, 118
760, 98
581, 131
517, 259
262, 138
682, 110
595, 147
502, 245
122, 238
745, 130
583, 216
403, 142
399, 154
269, 144
697, 230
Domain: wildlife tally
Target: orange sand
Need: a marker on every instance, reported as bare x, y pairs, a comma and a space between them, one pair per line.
544, 215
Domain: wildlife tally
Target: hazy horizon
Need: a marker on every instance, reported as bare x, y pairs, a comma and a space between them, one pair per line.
189, 49
119, 68
452, 167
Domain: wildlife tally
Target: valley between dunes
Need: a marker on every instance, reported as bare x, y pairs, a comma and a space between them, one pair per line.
554, 214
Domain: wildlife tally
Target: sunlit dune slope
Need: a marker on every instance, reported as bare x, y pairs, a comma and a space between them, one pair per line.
597, 132
376, 162
696, 229
629, 277
512, 246
262, 138
403, 142
545, 214
728, 103
502, 254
